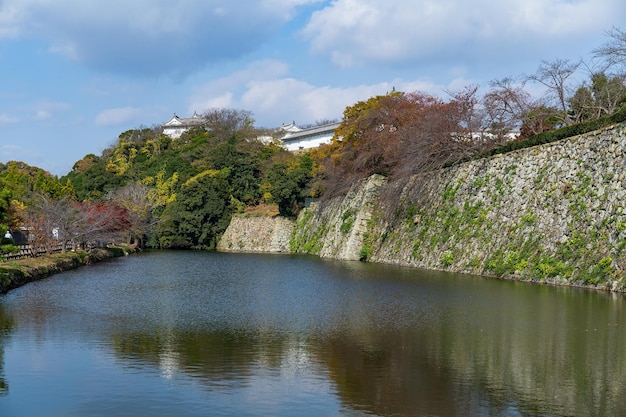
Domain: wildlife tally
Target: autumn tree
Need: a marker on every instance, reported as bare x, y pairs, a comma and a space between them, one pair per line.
506, 104
102, 222
138, 200
64, 221
397, 135
46, 219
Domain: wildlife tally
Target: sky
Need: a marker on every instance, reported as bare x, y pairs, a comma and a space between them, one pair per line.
74, 74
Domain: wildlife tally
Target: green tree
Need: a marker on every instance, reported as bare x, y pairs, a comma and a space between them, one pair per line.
6, 240
601, 98
24, 180
287, 182
199, 214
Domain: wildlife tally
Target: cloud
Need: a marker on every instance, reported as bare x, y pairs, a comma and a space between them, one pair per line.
118, 116
148, 37
221, 92
266, 89
7, 119
354, 33
46, 109
18, 153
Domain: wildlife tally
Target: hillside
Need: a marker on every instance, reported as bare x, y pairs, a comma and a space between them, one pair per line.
181, 193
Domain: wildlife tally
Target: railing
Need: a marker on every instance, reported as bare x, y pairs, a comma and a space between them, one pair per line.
29, 251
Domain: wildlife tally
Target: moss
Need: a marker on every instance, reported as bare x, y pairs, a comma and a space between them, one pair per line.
451, 190
446, 259
348, 218
307, 237
548, 267
365, 253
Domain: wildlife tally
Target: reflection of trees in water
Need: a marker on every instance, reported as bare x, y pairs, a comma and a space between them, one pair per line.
401, 373
212, 357
6, 325
537, 352
541, 356
559, 354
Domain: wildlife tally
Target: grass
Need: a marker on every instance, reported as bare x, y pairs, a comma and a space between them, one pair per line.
18, 272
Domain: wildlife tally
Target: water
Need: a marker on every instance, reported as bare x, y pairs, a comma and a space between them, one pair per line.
198, 334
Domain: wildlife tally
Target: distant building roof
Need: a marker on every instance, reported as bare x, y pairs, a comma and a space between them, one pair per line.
299, 139
295, 133
176, 126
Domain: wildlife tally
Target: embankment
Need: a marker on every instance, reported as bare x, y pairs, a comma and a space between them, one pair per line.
257, 234
554, 213
14, 274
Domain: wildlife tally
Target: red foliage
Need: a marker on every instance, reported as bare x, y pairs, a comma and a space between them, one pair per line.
105, 217
397, 135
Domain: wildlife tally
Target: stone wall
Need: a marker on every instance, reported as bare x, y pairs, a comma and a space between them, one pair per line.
257, 234
553, 213
337, 229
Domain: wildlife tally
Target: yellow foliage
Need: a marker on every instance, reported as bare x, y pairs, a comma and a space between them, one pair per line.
121, 160
211, 173
162, 192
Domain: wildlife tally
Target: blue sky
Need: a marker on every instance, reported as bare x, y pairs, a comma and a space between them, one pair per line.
74, 74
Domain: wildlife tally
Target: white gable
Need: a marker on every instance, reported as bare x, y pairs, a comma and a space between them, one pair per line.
176, 126
300, 139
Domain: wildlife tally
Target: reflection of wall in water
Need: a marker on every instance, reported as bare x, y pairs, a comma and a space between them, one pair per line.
6, 324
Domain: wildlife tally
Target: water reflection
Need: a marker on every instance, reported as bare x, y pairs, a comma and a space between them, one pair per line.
291, 335
6, 325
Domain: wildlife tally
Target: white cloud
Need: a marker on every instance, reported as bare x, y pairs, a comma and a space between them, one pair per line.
147, 37
357, 32
221, 92
47, 109
118, 116
275, 98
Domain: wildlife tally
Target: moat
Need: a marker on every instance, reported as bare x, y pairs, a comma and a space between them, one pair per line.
202, 333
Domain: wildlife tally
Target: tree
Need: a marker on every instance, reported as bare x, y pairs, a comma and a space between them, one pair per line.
554, 75
582, 105
286, 184
614, 51
24, 180
102, 222
6, 241
227, 122
601, 98
506, 104
90, 178
539, 118
136, 199
397, 135
608, 92
62, 221
199, 214
49, 222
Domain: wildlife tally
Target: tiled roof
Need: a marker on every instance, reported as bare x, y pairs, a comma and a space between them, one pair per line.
328, 128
